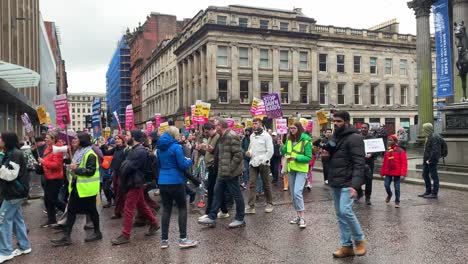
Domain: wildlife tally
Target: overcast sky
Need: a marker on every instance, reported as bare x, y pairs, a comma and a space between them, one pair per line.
90, 29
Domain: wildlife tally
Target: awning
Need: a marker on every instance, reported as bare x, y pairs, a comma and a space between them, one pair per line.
18, 76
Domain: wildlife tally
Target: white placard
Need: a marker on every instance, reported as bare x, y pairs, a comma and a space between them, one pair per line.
281, 126
374, 145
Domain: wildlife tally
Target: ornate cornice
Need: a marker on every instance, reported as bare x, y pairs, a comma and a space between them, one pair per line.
457, 2
421, 7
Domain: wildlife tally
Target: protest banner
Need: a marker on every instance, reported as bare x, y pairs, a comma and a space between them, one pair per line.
281, 126
149, 127
322, 117
62, 110
41, 114
238, 129
128, 117
27, 123
157, 120
272, 105
163, 127
118, 121
96, 121
374, 145
230, 122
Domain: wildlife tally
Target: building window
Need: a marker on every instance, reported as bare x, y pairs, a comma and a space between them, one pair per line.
323, 93
78, 110
223, 91
264, 88
303, 93
374, 93
303, 60
303, 28
264, 24
404, 94
373, 65
284, 26
243, 57
284, 60
243, 22
222, 56
403, 67
73, 110
340, 63
284, 92
389, 94
341, 93
264, 58
323, 62
221, 20
388, 66
357, 94
73, 123
357, 64
73, 116
244, 91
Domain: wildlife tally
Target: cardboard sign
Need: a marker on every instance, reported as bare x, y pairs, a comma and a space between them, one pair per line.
310, 126
129, 117
27, 123
106, 132
374, 145
41, 113
281, 126
272, 105
249, 122
62, 110
291, 121
322, 117
163, 127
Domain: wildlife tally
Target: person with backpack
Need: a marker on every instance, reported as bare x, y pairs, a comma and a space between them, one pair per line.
14, 188
133, 184
432, 154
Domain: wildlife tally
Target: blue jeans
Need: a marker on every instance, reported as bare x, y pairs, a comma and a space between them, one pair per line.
11, 220
347, 220
396, 183
221, 187
259, 184
431, 169
296, 186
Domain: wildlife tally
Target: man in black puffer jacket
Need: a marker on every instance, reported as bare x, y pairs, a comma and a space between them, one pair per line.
346, 174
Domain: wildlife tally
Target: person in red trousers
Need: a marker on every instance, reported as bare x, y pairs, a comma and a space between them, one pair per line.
395, 166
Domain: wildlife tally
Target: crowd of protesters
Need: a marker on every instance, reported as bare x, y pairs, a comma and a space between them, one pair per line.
213, 164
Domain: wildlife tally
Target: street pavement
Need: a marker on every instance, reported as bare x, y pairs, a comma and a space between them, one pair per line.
421, 231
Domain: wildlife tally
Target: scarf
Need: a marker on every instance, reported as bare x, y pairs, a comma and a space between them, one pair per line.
391, 158
79, 154
258, 131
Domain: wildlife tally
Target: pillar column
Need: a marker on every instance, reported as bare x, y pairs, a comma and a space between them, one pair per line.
203, 72
180, 90
211, 71
189, 81
255, 80
275, 67
196, 76
422, 9
294, 88
460, 13
234, 98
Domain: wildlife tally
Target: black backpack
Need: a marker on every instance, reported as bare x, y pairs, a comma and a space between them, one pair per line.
443, 147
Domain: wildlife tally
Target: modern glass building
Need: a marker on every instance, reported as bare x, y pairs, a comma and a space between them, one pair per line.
118, 82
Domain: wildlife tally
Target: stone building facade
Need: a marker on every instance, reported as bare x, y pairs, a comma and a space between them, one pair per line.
228, 55
81, 105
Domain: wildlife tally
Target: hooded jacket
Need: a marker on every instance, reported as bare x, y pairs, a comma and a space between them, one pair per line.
172, 162
53, 164
347, 159
432, 148
395, 162
14, 179
230, 155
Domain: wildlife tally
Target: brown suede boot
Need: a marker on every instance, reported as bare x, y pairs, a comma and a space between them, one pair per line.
344, 252
360, 249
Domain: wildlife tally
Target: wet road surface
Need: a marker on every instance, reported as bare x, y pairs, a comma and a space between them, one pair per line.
421, 231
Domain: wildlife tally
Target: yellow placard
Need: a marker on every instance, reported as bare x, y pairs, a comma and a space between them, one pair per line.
249, 122
106, 132
163, 127
322, 117
206, 110
304, 122
42, 114
291, 121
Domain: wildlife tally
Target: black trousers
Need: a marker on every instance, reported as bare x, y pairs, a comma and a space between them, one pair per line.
169, 194
51, 198
77, 205
212, 174
274, 167
326, 169
368, 183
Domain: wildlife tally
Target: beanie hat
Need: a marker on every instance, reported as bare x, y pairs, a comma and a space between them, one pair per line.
394, 137
137, 135
427, 129
122, 137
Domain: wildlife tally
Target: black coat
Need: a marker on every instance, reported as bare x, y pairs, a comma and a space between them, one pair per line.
432, 149
19, 187
347, 159
133, 168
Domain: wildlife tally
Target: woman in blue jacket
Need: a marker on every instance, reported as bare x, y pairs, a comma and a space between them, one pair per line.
173, 163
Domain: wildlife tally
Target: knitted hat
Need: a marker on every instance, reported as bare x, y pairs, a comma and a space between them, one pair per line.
428, 129
122, 137
394, 137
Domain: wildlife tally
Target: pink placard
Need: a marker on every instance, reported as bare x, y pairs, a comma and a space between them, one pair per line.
62, 110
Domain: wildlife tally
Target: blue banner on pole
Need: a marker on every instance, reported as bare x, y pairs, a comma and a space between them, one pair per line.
443, 48
96, 123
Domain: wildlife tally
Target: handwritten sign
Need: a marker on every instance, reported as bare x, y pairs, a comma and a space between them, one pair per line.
322, 117
27, 123
374, 145
281, 126
272, 105
41, 113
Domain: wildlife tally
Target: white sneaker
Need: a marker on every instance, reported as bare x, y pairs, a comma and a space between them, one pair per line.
5, 258
202, 217
19, 252
222, 215
269, 208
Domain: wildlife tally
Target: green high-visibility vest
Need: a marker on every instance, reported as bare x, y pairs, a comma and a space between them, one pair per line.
295, 151
87, 186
